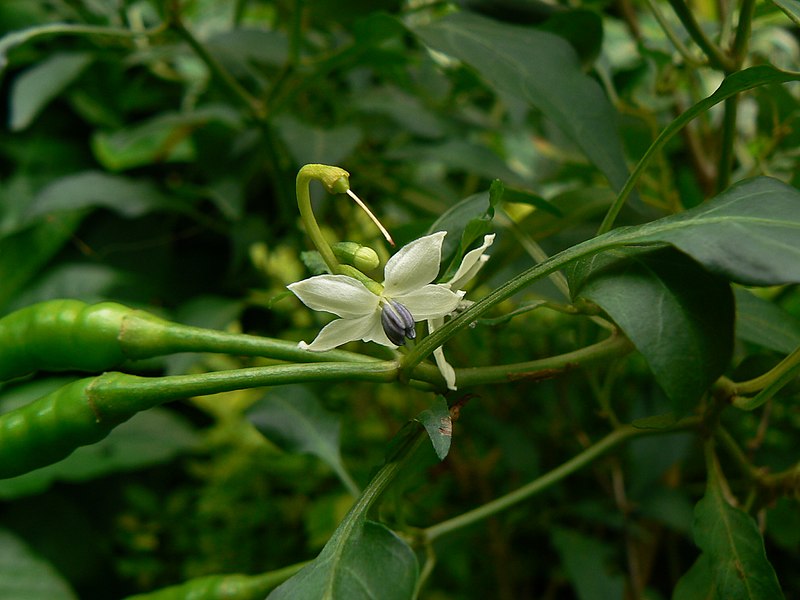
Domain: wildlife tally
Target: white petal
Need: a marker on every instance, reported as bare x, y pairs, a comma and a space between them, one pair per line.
431, 301
445, 368
471, 263
415, 265
340, 332
377, 334
338, 294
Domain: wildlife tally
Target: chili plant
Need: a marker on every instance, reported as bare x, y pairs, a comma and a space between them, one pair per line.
559, 359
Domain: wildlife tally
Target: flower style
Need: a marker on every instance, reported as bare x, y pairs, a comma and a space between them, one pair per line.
469, 267
387, 313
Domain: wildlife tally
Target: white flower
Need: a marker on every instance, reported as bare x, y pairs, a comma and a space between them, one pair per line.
469, 267
368, 316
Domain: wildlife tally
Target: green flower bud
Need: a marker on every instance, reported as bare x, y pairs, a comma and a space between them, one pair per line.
361, 257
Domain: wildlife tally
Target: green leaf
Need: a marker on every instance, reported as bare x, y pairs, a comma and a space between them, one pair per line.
791, 8
293, 418
363, 560
162, 139
437, 422
474, 213
749, 233
33, 89
762, 322
316, 145
679, 316
696, 583
585, 561
93, 189
25, 576
542, 69
734, 548
24, 253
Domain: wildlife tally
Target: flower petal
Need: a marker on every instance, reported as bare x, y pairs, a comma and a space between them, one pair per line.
415, 265
431, 301
341, 331
338, 294
471, 264
445, 368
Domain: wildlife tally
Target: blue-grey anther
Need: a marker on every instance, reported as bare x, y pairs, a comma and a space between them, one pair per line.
398, 323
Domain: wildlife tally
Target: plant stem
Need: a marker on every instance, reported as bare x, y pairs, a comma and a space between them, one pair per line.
612, 440
743, 30
769, 383
121, 390
545, 368
139, 339
253, 104
681, 48
727, 143
717, 58
327, 176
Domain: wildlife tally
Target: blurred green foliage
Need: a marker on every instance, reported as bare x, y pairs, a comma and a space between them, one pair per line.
148, 157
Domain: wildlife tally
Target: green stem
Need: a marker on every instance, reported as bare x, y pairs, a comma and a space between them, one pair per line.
612, 440
731, 86
335, 180
768, 384
681, 48
254, 105
545, 368
726, 441
140, 339
131, 392
743, 30
717, 58
727, 143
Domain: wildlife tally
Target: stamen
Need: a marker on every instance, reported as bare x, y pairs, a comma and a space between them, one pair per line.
371, 216
398, 322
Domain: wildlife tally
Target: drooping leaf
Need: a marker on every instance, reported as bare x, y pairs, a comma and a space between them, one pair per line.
437, 422
309, 144
24, 253
93, 189
734, 548
585, 561
791, 8
696, 583
35, 88
541, 68
748, 233
678, 315
25, 576
162, 139
762, 322
293, 418
363, 560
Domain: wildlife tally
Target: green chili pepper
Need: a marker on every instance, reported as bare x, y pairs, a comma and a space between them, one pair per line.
70, 335
85, 411
223, 587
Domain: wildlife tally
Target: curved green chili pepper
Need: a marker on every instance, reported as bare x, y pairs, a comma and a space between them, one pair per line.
67, 334
224, 587
62, 335
85, 411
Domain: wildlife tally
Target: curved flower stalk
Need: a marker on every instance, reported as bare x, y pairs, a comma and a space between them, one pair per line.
385, 313
472, 262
